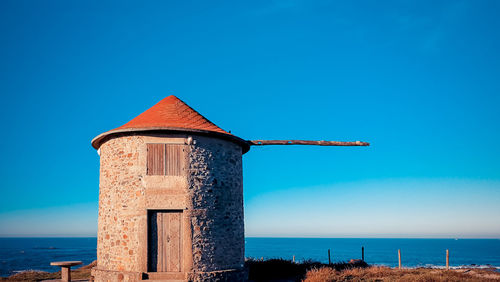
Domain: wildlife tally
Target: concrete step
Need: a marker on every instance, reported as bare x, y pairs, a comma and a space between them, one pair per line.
162, 280
164, 276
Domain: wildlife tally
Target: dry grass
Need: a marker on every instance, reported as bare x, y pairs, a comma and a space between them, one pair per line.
283, 270
388, 275
286, 270
79, 273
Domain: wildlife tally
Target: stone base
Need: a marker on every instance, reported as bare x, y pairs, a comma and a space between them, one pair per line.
101, 275
221, 275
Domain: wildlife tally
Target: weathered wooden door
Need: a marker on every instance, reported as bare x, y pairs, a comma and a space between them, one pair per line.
164, 244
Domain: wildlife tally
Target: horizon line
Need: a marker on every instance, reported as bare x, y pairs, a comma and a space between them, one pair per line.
267, 237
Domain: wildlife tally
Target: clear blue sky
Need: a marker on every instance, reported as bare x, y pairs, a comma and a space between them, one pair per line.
420, 80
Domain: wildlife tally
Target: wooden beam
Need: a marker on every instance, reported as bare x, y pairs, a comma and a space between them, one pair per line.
306, 142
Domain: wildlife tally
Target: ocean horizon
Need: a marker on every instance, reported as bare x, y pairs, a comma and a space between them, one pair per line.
35, 253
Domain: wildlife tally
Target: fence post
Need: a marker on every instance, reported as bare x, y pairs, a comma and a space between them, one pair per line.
363, 253
399, 258
447, 259
329, 260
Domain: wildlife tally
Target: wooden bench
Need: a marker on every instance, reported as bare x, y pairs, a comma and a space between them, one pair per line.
65, 268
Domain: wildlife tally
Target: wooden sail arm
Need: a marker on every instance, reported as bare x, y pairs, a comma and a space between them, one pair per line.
306, 142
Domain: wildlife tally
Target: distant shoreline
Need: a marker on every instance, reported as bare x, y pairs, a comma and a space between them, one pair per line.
267, 237
310, 272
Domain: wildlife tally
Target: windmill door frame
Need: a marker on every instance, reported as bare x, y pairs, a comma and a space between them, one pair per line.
165, 244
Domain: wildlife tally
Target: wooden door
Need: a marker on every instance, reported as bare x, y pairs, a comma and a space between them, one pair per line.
164, 246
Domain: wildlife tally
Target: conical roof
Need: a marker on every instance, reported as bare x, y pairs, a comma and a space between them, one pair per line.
170, 114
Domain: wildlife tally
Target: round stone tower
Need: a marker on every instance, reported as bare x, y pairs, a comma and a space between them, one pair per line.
170, 198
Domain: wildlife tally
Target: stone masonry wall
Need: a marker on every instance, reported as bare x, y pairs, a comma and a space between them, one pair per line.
210, 196
216, 189
121, 204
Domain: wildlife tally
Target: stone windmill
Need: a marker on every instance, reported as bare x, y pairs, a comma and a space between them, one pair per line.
171, 197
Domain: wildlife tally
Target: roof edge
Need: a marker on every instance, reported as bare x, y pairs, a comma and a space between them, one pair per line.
101, 138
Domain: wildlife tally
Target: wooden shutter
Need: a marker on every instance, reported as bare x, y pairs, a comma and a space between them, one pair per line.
174, 159
156, 159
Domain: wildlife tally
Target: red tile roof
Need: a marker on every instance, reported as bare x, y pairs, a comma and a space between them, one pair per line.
170, 114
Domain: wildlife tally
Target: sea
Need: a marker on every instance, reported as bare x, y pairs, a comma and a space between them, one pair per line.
20, 254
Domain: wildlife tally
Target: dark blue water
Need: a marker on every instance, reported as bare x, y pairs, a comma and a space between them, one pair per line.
414, 252
17, 254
